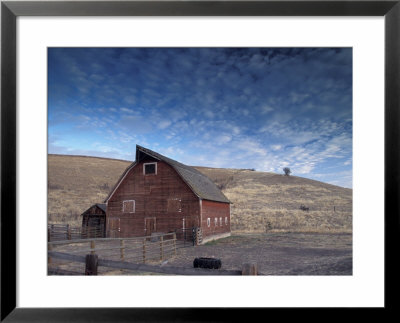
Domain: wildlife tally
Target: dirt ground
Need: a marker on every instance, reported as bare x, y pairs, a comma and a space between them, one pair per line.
277, 253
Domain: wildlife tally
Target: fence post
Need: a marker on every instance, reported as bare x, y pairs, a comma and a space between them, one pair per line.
122, 246
161, 248
174, 237
250, 269
92, 246
68, 232
144, 250
91, 264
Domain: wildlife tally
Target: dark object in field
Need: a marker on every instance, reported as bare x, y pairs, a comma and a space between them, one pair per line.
304, 208
209, 263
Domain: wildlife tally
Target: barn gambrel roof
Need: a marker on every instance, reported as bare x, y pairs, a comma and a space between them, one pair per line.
199, 183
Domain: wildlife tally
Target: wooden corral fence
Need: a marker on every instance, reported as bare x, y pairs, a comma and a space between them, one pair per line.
157, 247
139, 254
61, 232
92, 262
190, 236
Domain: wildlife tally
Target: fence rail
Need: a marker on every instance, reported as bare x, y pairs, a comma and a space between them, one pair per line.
59, 232
84, 256
92, 262
63, 232
156, 248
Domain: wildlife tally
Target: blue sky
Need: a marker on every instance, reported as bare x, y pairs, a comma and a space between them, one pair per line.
262, 108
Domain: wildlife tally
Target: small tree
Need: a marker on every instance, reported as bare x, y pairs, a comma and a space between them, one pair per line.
287, 171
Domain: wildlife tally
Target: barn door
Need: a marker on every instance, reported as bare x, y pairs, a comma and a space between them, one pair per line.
114, 227
187, 228
188, 223
94, 227
150, 225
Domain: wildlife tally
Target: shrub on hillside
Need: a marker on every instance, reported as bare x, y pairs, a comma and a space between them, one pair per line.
287, 171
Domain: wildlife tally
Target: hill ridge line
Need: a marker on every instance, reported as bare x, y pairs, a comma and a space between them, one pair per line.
209, 167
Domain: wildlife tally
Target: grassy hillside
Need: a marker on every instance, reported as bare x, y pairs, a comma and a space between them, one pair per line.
76, 182
271, 202
261, 201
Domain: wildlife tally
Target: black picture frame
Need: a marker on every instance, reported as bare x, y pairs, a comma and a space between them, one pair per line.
10, 10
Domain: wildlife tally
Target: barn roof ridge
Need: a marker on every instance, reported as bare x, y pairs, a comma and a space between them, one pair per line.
199, 183
119, 181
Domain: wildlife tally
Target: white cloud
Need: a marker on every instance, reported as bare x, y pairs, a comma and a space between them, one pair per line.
135, 124
347, 162
172, 152
208, 113
126, 110
222, 140
297, 98
130, 99
303, 168
163, 124
251, 147
266, 109
96, 78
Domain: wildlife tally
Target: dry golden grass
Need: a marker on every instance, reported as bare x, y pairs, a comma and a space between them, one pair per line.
261, 201
270, 202
77, 182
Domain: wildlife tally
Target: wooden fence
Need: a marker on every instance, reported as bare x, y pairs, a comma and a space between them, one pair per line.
92, 262
139, 249
61, 232
140, 254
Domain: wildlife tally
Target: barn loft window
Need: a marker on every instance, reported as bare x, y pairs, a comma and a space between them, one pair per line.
128, 206
215, 221
150, 168
208, 222
220, 221
226, 220
174, 205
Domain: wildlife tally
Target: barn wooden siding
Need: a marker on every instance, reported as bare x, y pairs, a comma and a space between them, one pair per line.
219, 215
163, 203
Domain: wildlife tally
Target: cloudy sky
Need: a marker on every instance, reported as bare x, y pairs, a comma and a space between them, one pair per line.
261, 108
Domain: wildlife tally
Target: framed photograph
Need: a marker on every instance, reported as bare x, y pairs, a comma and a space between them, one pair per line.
44, 42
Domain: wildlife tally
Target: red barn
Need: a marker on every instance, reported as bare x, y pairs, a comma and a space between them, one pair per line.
158, 194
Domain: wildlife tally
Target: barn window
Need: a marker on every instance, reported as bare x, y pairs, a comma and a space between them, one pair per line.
226, 220
208, 222
220, 221
149, 168
174, 205
128, 206
215, 221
